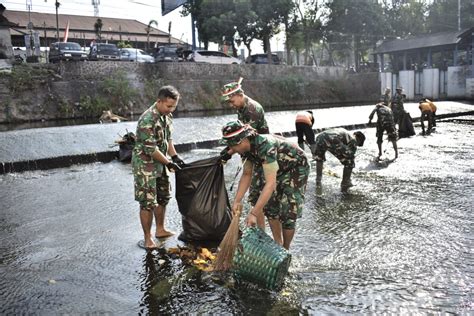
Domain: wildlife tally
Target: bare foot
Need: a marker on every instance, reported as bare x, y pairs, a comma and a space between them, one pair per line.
148, 244
164, 234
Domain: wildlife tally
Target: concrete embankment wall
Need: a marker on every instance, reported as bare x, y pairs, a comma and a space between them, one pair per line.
85, 89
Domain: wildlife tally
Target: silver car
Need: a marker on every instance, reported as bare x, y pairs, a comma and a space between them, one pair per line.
212, 57
135, 54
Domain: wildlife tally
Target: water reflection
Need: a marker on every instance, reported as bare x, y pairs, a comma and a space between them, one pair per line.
400, 242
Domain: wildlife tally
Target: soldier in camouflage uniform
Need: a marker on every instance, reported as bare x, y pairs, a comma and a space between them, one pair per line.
149, 159
384, 123
397, 106
385, 98
285, 168
343, 146
249, 112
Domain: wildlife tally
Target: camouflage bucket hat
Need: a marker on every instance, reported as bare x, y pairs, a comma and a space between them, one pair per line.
233, 133
230, 89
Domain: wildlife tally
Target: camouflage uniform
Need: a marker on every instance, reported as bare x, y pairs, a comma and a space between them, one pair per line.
152, 186
384, 122
385, 99
286, 203
397, 107
252, 113
339, 143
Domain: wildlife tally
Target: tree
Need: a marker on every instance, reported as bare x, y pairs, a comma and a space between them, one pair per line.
443, 16
98, 29
405, 19
148, 29
354, 28
271, 14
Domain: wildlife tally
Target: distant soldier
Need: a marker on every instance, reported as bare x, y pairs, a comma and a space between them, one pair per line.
385, 98
384, 123
285, 168
304, 128
428, 112
343, 146
249, 112
397, 106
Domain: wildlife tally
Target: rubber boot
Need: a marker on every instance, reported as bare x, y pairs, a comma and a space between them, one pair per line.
346, 179
319, 172
301, 145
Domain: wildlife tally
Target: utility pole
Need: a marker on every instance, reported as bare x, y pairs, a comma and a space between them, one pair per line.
96, 3
57, 4
459, 15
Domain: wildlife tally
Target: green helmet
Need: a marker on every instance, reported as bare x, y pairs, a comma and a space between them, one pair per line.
234, 132
229, 90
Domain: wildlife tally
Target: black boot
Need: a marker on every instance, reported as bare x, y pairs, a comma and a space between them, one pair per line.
301, 145
346, 179
319, 172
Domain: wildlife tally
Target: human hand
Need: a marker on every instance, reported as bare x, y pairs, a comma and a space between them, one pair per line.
172, 166
224, 155
177, 160
251, 220
236, 209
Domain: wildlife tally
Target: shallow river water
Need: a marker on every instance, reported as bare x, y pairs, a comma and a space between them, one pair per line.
400, 242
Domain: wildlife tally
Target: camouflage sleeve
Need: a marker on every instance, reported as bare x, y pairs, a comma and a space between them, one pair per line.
146, 136
371, 116
256, 116
351, 148
268, 152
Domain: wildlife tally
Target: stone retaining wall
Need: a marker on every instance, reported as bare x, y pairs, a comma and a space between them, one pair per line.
84, 89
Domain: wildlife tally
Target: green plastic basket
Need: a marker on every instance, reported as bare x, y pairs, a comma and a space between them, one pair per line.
258, 259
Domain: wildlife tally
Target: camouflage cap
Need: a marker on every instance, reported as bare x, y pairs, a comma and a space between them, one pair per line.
234, 132
230, 89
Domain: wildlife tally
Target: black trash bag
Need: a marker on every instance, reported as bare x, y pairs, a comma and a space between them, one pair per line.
406, 128
203, 201
126, 145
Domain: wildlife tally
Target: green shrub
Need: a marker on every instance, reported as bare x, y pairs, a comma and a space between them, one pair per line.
291, 87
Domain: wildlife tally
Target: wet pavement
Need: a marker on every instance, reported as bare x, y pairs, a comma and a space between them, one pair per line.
399, 243
44, 148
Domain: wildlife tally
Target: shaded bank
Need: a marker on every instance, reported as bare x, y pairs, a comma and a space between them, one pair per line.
70, 90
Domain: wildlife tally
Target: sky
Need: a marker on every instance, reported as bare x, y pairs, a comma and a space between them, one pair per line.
140, 10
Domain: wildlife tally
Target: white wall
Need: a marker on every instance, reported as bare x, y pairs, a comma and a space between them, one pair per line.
406, 79
456, 81
470, 88
431, 83
385, 81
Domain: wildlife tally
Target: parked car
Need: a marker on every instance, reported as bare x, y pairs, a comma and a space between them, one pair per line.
167, 54
66, 51
102, 51
135, 54
263, 59
212, 57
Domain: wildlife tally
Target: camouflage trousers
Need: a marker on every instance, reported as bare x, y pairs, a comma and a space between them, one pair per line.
391, 132
151, 191
258, 181
344, 156
286, 203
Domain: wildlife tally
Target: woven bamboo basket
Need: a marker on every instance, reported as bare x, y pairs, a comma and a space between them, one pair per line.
258, 259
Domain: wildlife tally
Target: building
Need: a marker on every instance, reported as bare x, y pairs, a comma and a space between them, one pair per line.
82, 29
438, 65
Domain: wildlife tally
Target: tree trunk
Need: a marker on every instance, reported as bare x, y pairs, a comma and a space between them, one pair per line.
269, 50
